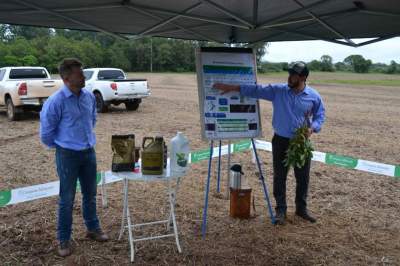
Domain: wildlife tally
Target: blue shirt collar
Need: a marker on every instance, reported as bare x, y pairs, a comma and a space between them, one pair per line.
67, 92
305, 91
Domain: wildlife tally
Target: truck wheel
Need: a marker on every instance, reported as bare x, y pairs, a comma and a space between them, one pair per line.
101, 107
11, 110
132, 106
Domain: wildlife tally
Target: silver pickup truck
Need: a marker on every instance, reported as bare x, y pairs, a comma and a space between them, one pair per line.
25, 89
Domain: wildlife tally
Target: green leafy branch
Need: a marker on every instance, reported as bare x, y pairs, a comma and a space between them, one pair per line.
300, 149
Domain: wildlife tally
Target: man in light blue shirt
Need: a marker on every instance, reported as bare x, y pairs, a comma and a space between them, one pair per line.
294, 104
67, 121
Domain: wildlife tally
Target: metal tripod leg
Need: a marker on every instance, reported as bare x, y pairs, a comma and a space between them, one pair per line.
207, 190
271, 213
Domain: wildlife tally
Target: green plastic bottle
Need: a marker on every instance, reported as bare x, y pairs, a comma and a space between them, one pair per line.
153, 156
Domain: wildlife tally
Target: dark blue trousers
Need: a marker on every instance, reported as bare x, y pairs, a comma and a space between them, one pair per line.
71, 166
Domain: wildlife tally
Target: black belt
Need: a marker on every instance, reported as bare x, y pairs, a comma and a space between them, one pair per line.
280, 137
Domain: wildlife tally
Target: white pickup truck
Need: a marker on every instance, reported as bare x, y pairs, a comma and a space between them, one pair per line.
25, 89
110, 86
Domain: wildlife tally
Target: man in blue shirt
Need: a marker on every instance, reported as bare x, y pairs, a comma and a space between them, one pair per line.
294, 104
67, 121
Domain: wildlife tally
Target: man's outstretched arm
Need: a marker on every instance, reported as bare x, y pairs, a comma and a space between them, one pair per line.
253, 91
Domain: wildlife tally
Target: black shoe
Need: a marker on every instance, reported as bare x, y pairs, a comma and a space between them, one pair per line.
306, 216
280, 218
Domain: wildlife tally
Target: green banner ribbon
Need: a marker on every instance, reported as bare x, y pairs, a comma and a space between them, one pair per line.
241, 146
78, 186
5, 197
343, 161
397, 172
98, 177
200, 155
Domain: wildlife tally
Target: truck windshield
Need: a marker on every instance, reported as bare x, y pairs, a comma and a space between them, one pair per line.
28, 73
110, 74
88, 74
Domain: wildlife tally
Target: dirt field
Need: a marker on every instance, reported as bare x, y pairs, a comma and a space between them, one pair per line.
358, 213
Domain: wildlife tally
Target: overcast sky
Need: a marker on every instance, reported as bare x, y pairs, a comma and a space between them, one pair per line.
382, 52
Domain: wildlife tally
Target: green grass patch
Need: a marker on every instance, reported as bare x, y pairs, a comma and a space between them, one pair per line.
347, 78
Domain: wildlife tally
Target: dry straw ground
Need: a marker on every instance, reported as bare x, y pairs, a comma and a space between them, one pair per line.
358, 213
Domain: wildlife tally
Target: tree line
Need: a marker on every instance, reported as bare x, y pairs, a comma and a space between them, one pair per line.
36, 46
352, 63
33, 46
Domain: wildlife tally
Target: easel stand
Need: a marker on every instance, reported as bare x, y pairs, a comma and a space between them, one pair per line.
207, 190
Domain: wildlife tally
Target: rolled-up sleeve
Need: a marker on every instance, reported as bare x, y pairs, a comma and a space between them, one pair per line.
259, 91
49, 120
318, 115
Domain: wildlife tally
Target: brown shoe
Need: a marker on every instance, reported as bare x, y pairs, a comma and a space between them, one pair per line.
97, 235
64, 249
306, 216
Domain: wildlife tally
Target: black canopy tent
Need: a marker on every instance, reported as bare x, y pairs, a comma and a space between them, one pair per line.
223, 21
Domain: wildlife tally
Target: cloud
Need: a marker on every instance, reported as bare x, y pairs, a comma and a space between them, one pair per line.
382, 52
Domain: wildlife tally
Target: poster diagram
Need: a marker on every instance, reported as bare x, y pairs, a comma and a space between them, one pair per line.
227, 116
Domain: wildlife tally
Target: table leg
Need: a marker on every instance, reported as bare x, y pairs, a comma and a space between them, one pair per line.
131, 238
103, 189
125, 208
172, 215
174, 193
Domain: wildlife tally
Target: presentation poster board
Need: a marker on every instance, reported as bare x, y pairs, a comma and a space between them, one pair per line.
230, 115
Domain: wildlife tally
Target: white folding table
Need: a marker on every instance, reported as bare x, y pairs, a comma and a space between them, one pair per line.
170, 221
